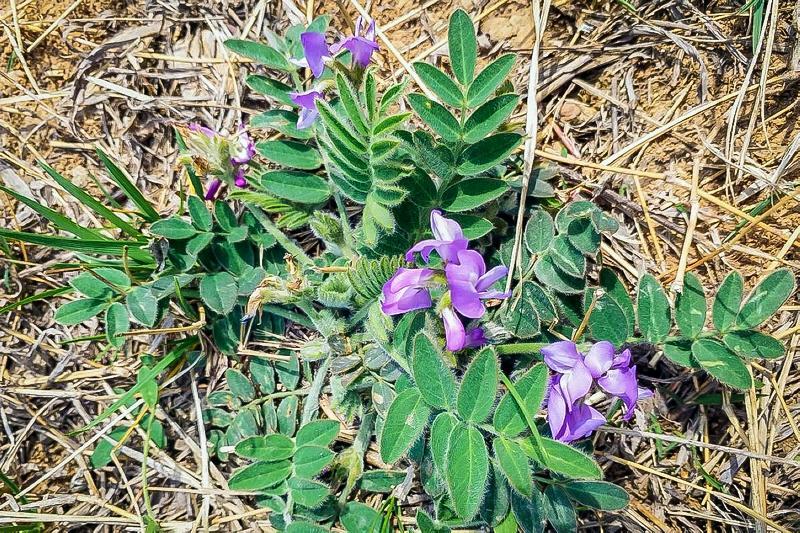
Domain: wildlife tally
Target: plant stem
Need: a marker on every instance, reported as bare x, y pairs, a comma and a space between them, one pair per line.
521, 348
311, 405
347, 231
288, 244
145, 453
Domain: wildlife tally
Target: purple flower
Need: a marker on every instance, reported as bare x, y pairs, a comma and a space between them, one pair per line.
211, 193
570, 421
197, 128
308, 107
315, 50
476, 338
454, 333
244, 149
361, 48
448, 240
569, 417
407, 291
470, 283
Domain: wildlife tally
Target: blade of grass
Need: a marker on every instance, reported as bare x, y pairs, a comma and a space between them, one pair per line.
108, 247
35, 298
131, 191
90, 202
60, 221
152, 373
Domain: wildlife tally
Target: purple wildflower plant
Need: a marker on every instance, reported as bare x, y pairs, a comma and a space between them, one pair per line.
225, 156
464, 284
567, 413
361, 45
308, 107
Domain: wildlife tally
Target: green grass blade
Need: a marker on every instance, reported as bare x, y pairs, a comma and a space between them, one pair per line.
107, 247
60, 221
90, 202
131, 191
35, 298
152, 373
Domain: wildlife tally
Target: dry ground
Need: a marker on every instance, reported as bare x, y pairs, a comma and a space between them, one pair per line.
650, 112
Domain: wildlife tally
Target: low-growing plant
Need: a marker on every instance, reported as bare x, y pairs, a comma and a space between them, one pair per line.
408, 335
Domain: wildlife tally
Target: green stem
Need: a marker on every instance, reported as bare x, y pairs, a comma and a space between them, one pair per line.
145, 453
347, 231
276, 396
521, 348
288, 244
311, 405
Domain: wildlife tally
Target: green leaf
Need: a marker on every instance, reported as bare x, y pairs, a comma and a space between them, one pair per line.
289, 371
606, 319
311, 460
198, 243
142, 306
568, 461
117, 322
300, 526
148, 387
259, 476
436, 116
357, 517
766, 298
282, 121
728, 301
539, 231
435, 381
425, 524
478, 387
263, 374
173, 228
754, 344
474, 227
721, 363
90, 202
521, 317
467, 469
472, 193
508, 525
271, 88
441, 429
318, 433
58, 220
127, 186
554, 278
508, 418
287, 415
296, 186
381, 480
273, 447
568, 258
496, 502
489, 79
680, 352
583, 236
514, 464
291, 154
597, 494
489, 117
653, 310
487, 153
463, 46
559, 510
337, 130
615, 290
239, 385
390, 123
218, 291
306, 492
101, 456
89, 285
78, 311
349, 100
690, 307
260, 53
440, 83
201, 216
530, 512
405, 421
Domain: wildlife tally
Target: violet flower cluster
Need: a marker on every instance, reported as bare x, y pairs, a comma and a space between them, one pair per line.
568, 416
227, 156
466, 281
315, 53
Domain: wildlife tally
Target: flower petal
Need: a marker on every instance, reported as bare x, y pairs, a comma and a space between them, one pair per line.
599, 358
581, 421
315, 49
622, 360
424, 248
476, 338
488, 279
445, 229
561, 356
576, 383
622, 383
453, 330
211, 193
556, 410
465, 299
